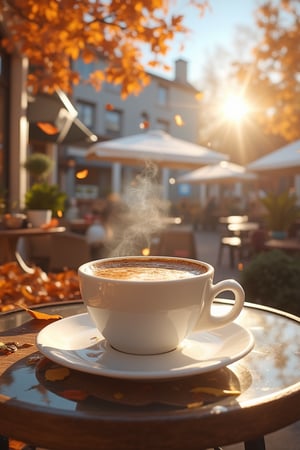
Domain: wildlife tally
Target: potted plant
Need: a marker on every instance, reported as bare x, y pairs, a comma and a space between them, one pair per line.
39, 166
42, 200
281, 213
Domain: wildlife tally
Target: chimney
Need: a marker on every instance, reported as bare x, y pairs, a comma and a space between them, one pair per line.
181, 71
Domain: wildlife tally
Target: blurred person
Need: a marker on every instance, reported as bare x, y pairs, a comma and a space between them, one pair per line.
209, 217
72, 212
96, 236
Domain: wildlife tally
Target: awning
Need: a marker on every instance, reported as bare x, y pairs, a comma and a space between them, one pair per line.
224, 171
156, 146
284, 160
53, 118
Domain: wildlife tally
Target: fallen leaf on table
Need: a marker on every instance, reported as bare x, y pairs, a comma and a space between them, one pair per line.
41, 315
57, 374
52, 224
189, 392
74, 394
16, 445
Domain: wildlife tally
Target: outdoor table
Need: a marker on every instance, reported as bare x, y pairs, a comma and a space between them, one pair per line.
9, 239
41, 413
288, 245
233, 219
243, 227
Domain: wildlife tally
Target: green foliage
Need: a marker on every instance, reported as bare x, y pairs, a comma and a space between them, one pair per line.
282, 210
45, 196
273, 279
38, 165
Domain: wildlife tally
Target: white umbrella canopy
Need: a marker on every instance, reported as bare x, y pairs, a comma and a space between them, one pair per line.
285, 159
156, 146
222, 172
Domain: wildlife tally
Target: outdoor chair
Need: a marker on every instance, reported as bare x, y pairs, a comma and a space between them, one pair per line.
68, 251
35, 250
177, 242
234, 245
243, 246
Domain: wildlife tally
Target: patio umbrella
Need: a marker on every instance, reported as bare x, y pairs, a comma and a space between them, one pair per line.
285, 159
157, 146
222, 172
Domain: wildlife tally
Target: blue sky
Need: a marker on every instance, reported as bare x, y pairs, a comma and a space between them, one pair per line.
217, 28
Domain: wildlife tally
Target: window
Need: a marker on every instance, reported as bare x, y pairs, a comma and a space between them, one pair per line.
86, 113
162, 95
113, 123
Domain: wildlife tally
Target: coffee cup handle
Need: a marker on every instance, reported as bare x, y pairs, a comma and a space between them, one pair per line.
207, 319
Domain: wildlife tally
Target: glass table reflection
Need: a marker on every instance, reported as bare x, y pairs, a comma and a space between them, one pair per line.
36, 411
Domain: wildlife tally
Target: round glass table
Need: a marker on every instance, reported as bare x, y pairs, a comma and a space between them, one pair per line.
240, 402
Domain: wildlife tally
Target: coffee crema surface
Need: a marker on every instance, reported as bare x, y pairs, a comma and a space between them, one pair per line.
148, 271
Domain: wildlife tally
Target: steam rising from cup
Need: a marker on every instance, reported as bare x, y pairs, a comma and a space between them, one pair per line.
142, 214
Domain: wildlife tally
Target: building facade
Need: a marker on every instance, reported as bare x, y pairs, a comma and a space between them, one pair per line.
157, 106
165, 104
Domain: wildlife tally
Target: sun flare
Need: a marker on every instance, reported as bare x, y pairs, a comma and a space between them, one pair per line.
235, 108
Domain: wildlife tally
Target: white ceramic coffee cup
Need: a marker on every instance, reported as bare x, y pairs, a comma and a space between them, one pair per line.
152, 317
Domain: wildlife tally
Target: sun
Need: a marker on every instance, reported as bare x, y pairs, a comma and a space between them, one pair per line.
235, 108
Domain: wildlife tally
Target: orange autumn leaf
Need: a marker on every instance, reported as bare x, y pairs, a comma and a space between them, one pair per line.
41, 315
27, 293
57, 374
52, 224
109, 107
43, 288
16, 445
74, 394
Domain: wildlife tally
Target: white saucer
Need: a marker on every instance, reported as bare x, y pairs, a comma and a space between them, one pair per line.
74, 342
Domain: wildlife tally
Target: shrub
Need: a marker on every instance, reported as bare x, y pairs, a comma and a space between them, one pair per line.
273, 279
282, 210
45, 196
39, 165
